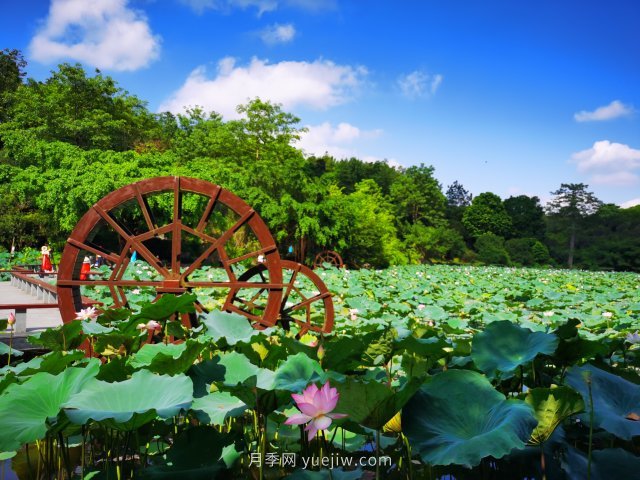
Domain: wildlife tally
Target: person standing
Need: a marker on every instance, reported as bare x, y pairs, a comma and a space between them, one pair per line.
45, 264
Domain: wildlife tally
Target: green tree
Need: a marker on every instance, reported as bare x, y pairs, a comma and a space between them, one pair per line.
458, 196
572, 203
491, 249
12, 65
486, 214
417, 196
434, 243
527, 216
373, 238
90, 112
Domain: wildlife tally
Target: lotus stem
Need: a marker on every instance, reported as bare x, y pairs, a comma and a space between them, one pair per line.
591, 415
378, 454
10, 345
542, 462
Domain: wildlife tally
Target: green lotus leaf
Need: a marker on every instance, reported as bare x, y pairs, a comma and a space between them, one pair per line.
195, 455
169, 359
238, 368
232, 327
164, 307
92, 327
459, 418
26, 409
607, 464
52, 362
297, 372
614, 399
503, 346
5, 350
216, 407
64, 337
373, 404
425, 347
326, 474
133, 402
551, 407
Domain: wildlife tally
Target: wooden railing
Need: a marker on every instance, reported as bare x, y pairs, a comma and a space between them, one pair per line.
25, 281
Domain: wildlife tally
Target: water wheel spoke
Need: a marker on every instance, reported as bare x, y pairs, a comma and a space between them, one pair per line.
253, 254
176, 237
234, 285
305, 303
93, 249
144, 207
291, 283
208, 209
135, 244
200, 235
239, 311
218, 243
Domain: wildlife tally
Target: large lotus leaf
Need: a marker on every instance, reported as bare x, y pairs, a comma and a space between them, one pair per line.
133, 402
232, 327
64, 337
551, 407
503, 346
169, 359
237, 369
5, 350
52, 362
26, 408
607, 464
614, 400
344, 353
164, 307
325, 473
195, 455
373, 404
297, 372
459, 418
216, 407
425, 347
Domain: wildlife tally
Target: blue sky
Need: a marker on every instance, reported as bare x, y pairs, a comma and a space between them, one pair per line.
503, 96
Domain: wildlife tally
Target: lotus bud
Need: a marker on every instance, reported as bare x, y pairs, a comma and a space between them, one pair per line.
12, 319
320, 352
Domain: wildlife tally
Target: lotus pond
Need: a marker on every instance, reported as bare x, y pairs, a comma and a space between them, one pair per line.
446, 372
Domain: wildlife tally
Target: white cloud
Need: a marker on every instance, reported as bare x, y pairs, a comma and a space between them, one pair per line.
340, 141
319, 85
278, 33
104, 33
419, 84
609, 163
630, 203
263, 6
616, 179
615, 109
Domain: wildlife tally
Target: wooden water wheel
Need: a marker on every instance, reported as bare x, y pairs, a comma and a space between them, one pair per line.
328, 256
306, 301
187, 235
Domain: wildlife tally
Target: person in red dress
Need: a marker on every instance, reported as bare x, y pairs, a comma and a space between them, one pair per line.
45, 265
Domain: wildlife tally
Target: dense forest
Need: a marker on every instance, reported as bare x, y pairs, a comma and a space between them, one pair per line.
69, 140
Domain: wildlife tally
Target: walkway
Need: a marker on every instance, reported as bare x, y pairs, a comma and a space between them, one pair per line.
37, 318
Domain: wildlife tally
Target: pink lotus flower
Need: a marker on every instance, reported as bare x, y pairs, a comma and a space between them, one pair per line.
12, 319
88, 313
316, 406
153, 325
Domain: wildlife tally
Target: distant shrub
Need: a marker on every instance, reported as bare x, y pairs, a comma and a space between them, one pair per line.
491, 250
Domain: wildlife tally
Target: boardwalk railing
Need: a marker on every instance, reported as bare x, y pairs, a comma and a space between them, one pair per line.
41, 290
